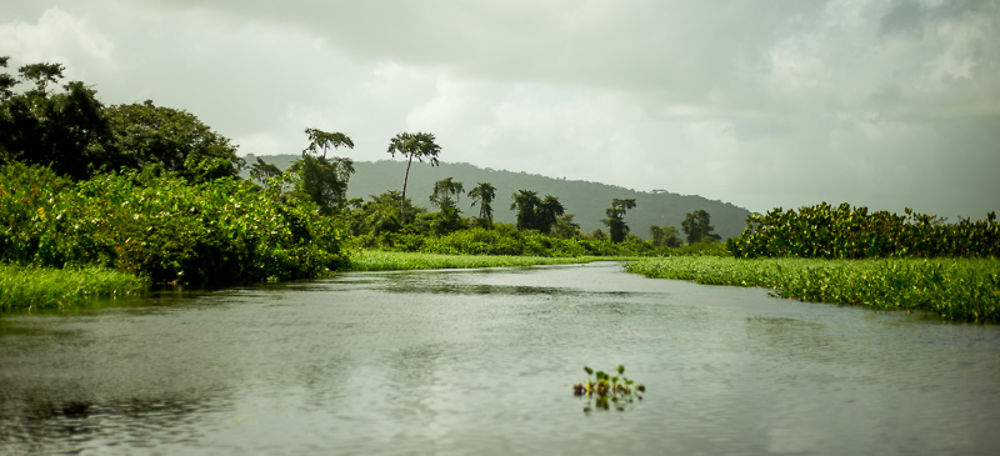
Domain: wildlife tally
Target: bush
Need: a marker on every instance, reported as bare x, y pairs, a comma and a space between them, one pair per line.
823, 231
214, 233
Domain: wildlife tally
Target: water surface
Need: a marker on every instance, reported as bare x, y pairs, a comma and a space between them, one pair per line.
483, 362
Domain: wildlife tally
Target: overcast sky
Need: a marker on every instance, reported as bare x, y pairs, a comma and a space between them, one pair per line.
881, 103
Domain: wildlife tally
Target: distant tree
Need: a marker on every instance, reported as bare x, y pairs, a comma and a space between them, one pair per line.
526, 203
381, 214
171, 139
616, 218
549, 210
483, 194
322, 181
444, 191
534, 213
262, 171
564, 228
697, 226
666, 236
599, 235
7, 82
42, 74
445, 197
319, 139
413, 145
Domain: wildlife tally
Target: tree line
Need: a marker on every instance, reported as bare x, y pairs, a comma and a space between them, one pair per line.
153, 190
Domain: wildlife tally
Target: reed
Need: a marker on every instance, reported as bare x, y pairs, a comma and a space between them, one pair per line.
957, 289
34, 288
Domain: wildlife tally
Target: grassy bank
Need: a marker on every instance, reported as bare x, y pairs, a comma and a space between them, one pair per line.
955, 289
30, 288
377, 260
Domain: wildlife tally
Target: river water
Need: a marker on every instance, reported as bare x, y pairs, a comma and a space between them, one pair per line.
483, 362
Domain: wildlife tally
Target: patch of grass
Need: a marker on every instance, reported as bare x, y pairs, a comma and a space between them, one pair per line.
378, 260
33, 288
957, 289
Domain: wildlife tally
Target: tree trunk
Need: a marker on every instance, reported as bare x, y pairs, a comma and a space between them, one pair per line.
402, 201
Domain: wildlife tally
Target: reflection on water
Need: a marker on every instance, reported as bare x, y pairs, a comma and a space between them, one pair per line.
484, 361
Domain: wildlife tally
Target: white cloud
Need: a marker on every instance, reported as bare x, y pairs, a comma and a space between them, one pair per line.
57, 36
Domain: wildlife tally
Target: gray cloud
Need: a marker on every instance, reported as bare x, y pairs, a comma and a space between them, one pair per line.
876, 102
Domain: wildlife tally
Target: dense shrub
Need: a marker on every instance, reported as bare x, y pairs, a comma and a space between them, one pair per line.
212, 233
848, 232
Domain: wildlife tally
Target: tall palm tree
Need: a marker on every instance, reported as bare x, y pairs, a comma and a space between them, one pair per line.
413, 145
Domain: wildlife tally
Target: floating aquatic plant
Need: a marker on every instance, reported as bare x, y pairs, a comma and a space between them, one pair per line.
606, 391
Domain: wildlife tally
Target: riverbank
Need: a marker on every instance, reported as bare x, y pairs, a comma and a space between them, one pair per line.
33, 288
378, 260
957, 289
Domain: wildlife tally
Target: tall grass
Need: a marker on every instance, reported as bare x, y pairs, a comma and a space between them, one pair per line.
955, 289
33, 288
377, 260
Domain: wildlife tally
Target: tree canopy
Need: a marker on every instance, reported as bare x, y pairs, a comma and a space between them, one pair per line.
697, 226
72, 132
319, 139
483, 194
615, 222
534, 213
176, 140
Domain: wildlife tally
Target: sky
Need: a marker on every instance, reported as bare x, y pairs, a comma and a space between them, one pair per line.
782, 103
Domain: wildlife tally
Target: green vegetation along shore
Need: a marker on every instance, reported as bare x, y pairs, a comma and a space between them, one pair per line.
955, 289
33, 288
378, 260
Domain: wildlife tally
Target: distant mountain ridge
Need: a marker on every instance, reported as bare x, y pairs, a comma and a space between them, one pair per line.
586, 200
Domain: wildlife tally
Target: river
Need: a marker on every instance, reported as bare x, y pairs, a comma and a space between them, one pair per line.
483, 362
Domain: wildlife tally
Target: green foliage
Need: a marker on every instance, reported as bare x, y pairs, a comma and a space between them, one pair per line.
606, 390
319, 139
171, 140
74, 134
446, 195
504, 239
955, 289
261, 171
320, 181
381, 214
664, 236
32, 288
212, 233
697, 226
380, 260
853, 232
615, 222
565, 228
534, 213
483, 194
65, 130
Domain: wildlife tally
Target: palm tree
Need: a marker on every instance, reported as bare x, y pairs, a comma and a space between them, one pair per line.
616, 218
413, 145
526, 203
483, 194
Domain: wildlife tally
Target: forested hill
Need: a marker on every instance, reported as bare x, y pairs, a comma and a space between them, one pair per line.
587, 200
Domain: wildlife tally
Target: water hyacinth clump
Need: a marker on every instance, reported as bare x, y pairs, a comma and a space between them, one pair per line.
605, 391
